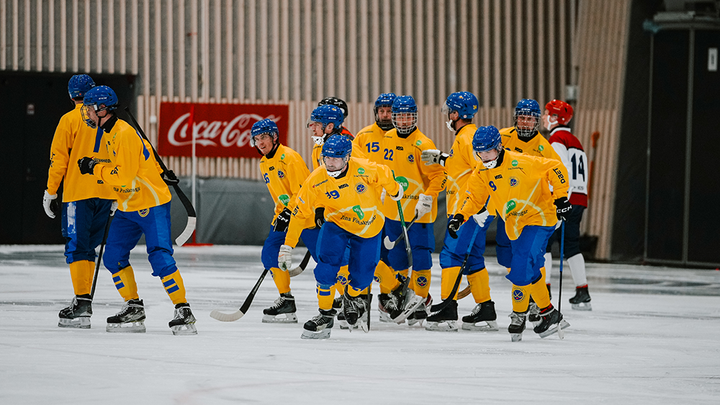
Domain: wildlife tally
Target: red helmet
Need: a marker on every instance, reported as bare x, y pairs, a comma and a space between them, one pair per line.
563, 110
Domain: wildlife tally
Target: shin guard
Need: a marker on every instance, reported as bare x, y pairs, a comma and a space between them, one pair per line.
540, 293
447, 281
281, 279
480, 285
124, 281
520, 298
385, 276
325, 295
421, 282
81, 274
175, 287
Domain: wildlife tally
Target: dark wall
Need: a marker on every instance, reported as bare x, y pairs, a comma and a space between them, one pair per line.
31, 105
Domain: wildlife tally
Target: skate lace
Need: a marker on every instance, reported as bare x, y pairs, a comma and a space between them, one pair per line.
516, 319
278, 302
477, 309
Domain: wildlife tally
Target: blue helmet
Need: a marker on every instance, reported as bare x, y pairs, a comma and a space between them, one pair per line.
337, 102
101, 95
337, 146
266, 126
529, 108
385, 100
402, 106
327, 114
486, 138
464, 102
79, 85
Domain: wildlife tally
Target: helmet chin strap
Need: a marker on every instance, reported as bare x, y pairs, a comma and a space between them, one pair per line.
319, 140
450, 125
493, 163
550, 123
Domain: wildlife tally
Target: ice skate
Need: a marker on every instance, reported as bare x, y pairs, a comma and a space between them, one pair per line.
355, 311
581, 300
77, 315
421, 313
283, 311
551, 320
407, 301
444, 320
386, 305
130, 319
482, 318
318, 327
184, 321
517, 325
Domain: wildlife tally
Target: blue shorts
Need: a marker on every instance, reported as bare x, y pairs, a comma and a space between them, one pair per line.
125, 232
83, 227
422, 243
272, 244
454, 250
333, 246
528, 254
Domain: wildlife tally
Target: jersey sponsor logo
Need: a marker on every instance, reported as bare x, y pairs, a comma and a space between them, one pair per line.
422, 281
360, 188
518, 295
541, 148
271, 168
411, 158
281, 174
498, 177
114, 171
282, 157
360, 170
344, 185
399, 147
126, 190
284, 199
358, 210
357, 221
418, 143
518, 150
517, 214
515, 163
403, 182
143, 213
513, 181
558, 172
318, 184
509, 206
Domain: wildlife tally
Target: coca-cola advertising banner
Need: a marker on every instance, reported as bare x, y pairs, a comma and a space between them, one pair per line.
221, 130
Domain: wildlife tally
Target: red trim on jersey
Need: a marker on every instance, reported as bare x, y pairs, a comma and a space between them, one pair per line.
563, 135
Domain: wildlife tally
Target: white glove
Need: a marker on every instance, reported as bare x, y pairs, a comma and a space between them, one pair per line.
400, 193
433, 157
49, 204
285, 257
481, 217
113, 207
382, 196
423, 206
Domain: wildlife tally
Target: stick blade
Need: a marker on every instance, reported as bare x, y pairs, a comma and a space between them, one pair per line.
187, 233
223, 317
389, 245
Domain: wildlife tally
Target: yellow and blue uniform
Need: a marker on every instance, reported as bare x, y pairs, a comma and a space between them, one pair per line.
353, 220
143, 208
520, 187
283, 171
459, 165
402, 156
86, 200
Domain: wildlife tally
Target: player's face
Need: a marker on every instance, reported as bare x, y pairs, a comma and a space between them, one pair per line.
488, 156
550, 121
89, 112
526, 121
264, 142
404, 120
384, 114
334, 164
316, 128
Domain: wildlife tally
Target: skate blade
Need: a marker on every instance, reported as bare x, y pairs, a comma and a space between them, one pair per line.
410, 308
415, 321
444, 326
280, 318
189, 329
482, 326
130, 327
77, 323
385, 317
308, 334
583, 306
516, 337
364, 324
554, 329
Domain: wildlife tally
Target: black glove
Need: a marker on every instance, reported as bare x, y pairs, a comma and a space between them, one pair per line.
563, 208
170, 178
319, 216
86, 165
283, 221
454, 224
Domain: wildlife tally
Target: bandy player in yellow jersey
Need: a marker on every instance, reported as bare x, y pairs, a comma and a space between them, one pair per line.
460, 108
143, 208
346, 187
283, 171
402, 148
86, 201
519, 185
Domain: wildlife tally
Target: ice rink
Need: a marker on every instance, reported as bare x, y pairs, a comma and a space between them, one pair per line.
652, 337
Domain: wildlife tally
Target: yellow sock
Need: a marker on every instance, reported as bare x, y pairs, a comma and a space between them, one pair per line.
124, 281
480, 286
447, 281
281, 279
540, 293
81, 274
175, 287
353, 292
385, 276
421, 282
520, 300
325, 295
343, 277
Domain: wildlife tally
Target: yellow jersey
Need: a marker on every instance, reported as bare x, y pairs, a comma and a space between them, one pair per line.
369, 140
351, 202
402, 155
133, 172
459, 165
536, 146
284, 173
73, 140
520, 189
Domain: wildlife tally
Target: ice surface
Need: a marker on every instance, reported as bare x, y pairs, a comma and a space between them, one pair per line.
653, 337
